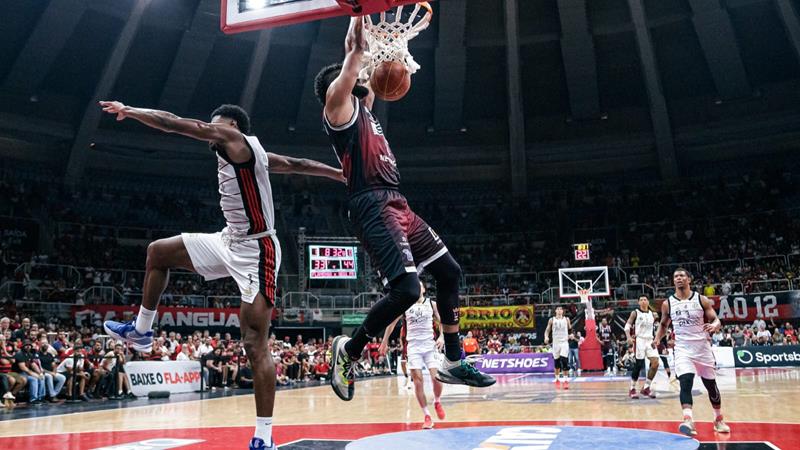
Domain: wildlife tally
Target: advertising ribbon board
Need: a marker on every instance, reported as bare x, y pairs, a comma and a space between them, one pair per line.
501, 317
172, 376
517, 363
767, 356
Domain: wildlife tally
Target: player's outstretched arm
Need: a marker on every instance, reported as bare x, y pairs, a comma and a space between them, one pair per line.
339, 106
301, 166
663, 324
713, 323
386, 334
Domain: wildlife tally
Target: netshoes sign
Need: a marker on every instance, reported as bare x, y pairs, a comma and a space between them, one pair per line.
767, 356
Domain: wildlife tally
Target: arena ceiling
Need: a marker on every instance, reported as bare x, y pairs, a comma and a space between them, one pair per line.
509, 90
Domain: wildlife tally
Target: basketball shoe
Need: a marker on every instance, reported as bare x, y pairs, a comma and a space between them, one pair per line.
259, 444
647, 392
428, 424
439, 410
632, 393
720, 426
342, 376
687, 427
463, 372
126, 332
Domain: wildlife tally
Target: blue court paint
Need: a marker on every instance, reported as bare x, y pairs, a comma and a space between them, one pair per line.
527, 438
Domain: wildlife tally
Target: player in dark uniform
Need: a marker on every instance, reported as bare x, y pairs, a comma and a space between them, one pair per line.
398, 241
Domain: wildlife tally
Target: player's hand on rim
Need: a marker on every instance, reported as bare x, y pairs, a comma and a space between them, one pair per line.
114, 107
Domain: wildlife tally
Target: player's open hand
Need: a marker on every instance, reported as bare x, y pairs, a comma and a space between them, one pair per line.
114, 108
653, 345
341, 176
546, 341
630, 341
709, 328
440, 343
383, 348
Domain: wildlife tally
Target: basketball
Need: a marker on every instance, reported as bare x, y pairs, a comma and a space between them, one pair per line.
391, 81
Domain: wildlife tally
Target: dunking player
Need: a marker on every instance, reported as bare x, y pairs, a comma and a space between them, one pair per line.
641, 320
246, 249
559, 326
399, 242
423, 351
693, 319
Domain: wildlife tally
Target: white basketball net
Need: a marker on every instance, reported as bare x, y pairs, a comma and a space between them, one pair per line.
388, 41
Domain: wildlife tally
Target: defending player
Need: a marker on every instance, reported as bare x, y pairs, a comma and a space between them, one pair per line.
642, 321
559, 326
693, 319
246, 249
423, 351
398, 241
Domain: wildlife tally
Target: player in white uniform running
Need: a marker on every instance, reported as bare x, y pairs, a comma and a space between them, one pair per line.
642, 322
247, 249
423, 351
559, 326
693, 320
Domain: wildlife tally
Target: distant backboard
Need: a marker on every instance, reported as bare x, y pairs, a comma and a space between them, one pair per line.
237, 16
593, 279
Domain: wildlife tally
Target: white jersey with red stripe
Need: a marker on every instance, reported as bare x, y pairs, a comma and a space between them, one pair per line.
688, 317
245, 193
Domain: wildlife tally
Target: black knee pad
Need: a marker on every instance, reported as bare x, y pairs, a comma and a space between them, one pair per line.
405, 289
447, 273
713, 392
686, 381
564, 363
637, 369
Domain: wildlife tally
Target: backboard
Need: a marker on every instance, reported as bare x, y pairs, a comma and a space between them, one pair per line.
237, 16
594, 279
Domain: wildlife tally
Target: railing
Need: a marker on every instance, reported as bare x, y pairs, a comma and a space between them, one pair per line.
781, 284
18, 290
36, 271
46, 309
106, 295
782, 261
635, 290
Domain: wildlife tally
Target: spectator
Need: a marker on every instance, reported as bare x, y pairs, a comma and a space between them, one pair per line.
790, 333
574, 353
54, 381
70, 368
246, 376
321, 369
212, 368
470, 344
27, 363
738, 336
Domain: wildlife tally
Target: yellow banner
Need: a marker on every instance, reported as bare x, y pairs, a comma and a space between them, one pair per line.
506, 317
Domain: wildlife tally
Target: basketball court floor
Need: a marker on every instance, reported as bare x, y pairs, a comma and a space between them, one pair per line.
527, 412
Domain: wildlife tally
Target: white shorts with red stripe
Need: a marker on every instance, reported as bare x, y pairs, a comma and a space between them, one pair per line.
253, 263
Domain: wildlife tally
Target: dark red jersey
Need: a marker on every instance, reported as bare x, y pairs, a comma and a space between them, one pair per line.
362, 150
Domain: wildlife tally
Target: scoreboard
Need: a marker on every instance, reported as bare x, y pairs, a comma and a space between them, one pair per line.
332, 262
581, 252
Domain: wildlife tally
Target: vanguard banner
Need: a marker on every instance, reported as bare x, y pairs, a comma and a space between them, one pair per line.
172, 376
503, 317
767, 356
181, 320
517, 363
766, 305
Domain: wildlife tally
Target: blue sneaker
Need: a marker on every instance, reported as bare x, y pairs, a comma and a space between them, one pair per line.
259, 444
126, 331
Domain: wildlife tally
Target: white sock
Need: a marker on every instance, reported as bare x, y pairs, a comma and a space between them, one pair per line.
633, 384
687, 412
144, 320
717, 414
437, 399
425, 410
264, 429
647, 383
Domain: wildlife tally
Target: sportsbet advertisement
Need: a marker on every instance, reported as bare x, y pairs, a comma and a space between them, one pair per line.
501, 317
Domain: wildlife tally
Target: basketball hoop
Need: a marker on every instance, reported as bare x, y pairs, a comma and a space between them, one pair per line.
388, 38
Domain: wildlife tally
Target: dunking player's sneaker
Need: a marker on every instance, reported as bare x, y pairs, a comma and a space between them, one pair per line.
439, 410
342, 376
647, 392
428, 423
687, 427
463, 372
259, 444
720, 426
126, 331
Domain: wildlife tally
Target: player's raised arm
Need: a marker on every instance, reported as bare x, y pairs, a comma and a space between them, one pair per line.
339, 107
663, 324
301, 166
713, 324
166, 121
